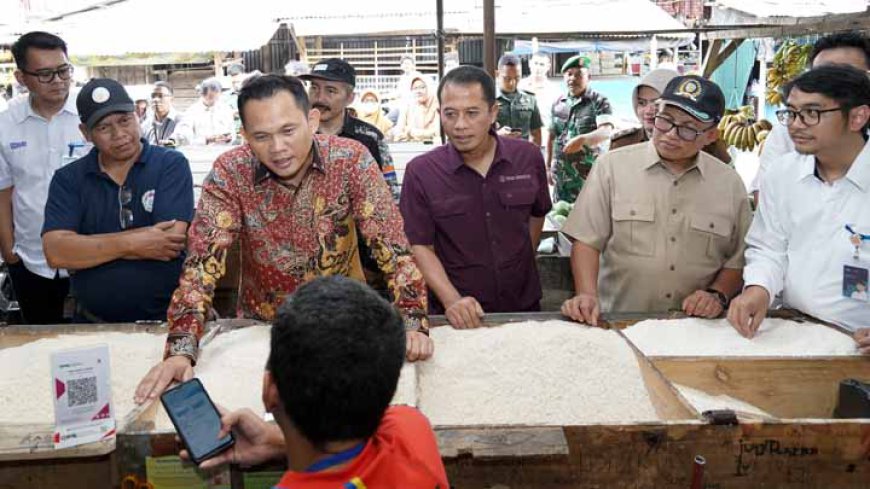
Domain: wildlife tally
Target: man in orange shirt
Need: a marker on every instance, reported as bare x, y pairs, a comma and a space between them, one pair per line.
336, 352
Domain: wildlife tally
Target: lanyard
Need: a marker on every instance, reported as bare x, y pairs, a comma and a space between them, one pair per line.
336, 459
857, 238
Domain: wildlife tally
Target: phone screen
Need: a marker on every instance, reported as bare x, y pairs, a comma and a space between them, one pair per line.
196, 420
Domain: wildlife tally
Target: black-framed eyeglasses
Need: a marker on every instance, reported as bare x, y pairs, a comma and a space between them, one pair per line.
685, 133
808, 117
125, 213
47, 76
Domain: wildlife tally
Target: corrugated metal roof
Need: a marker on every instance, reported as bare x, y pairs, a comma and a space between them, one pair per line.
794, 8
511, 17
170, 26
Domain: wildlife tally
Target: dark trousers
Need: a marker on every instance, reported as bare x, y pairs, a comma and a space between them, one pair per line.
40, 299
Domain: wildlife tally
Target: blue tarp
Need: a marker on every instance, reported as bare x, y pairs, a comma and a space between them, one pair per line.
733, 75
631, 45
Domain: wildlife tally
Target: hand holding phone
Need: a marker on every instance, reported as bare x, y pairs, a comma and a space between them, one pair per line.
196, 420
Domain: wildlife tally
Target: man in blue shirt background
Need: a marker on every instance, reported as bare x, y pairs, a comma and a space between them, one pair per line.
118, 216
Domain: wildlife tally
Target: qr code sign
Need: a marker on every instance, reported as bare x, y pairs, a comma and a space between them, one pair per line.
82, 391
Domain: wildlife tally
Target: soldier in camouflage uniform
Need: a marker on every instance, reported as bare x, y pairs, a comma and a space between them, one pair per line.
581, 121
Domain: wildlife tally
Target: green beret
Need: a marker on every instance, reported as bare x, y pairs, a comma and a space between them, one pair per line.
578, 61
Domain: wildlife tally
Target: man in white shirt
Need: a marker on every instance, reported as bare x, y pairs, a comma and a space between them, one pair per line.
806, 240
38, 135
160, 125
209, 120
846, 48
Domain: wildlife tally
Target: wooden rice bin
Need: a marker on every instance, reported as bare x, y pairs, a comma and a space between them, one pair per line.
802, 448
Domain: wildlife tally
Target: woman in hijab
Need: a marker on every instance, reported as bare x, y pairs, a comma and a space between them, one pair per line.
369, 110
419, 121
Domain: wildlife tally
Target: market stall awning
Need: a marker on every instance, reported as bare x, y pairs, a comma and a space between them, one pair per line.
512, 17
167, 26
525, 47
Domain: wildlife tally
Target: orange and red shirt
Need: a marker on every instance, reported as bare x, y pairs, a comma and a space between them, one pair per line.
403, 454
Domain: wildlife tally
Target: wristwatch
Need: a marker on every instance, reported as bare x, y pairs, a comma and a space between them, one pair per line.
721, 297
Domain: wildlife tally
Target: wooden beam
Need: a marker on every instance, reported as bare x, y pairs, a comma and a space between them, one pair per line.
794, 27
712, 54
712, 64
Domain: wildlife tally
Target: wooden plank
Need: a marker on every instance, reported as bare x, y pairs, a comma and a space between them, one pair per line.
34, 442
667, 401
482, 443
783, 456
785, 388
90, 473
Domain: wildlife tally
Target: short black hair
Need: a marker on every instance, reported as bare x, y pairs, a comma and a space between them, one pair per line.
850, 39
38, 40
336, 352
470, 75
847, 85
165, 85
266, 86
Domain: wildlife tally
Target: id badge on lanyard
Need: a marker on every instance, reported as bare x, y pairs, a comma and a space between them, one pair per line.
856, 271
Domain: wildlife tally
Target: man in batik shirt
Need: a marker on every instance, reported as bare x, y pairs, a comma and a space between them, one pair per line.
295, 200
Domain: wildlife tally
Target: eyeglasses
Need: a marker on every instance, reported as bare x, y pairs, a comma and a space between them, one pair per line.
808, 117
125, 213
47, 75
685, 133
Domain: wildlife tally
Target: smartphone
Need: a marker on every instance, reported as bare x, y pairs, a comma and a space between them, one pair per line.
196, 420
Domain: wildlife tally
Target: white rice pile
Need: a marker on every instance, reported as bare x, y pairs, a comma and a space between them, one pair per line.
25, 372
231, 369
705, 337
532, 373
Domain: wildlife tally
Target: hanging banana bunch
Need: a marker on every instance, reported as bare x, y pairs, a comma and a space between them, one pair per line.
788, 62
740, 128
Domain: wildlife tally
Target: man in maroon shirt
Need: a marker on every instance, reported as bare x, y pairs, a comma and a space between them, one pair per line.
474, 208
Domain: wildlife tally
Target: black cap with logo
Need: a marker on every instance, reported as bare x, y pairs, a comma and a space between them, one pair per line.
698, 96
101, 97
332, 69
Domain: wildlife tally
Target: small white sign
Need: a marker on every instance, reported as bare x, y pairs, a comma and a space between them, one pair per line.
82, 392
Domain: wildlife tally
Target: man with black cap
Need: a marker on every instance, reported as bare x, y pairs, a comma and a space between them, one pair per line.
581, 120
330, 89
665, 220
518, 114
118, 216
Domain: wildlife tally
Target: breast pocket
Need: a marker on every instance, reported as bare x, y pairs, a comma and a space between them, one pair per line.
634, 228
452, 212
710, 238
517, 200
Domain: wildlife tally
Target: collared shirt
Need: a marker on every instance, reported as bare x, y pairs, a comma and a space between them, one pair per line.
373, 140
776, 148
156, 131
662, 236
571, 117
403, 453
479, 226
200, 122
519, 111
290, 236
31, 150
798, 243
85, 200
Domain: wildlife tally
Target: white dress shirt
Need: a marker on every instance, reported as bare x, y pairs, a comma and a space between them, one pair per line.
776, 148
200, 122
31, 150
798, 242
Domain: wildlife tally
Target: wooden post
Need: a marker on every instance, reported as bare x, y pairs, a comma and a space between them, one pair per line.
218, 64
489, 48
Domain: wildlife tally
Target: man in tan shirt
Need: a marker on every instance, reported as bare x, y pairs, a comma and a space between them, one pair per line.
668, 218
